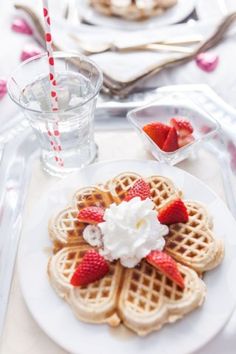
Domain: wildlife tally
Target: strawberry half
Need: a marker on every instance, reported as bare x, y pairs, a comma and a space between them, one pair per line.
185, 140
173, 213
167, 265
157, 131
92, 268
183, 126
139, 189
91, 215
171, 142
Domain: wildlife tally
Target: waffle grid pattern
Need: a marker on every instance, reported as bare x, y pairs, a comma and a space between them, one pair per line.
91, 196
64, 228
148, 288
69, 261
121, 184
162, 190
100, 291
95, 292
191, 243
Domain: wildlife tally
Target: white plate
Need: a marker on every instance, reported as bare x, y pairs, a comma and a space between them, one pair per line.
177, 13
56, 318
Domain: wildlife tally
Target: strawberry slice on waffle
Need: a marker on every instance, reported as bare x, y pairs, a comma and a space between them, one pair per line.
91, 215
167, 265
173, 213
93, 267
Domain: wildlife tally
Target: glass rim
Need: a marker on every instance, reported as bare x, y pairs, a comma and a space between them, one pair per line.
56, 54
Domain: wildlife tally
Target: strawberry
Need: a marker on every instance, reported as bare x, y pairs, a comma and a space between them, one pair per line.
185, 140
157, 131
171, 142
91, 215
139, 189
183, 126
167, 265
173, 213
92, 267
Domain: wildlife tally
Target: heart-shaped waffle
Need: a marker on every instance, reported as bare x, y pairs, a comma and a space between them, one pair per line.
64, 228
162, 190
142, 297
149, 299
193, 243
132, 9
91, 196
96, 302
120, 185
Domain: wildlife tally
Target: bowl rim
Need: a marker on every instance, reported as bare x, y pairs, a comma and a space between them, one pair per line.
161, 102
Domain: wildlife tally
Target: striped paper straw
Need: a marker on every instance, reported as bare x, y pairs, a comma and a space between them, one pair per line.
54, 136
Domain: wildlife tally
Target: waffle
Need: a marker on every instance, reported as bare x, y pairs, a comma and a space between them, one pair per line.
120, 185
132, 9
162, 190
193, 243
64, 228
142, 298
91, 196
94, 303
147, 299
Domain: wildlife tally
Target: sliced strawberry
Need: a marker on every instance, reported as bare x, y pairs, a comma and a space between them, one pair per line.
182, 126
173, 213
91, 215
167, 265
185, 140
157, 131
171, 142
139, 189
92, 268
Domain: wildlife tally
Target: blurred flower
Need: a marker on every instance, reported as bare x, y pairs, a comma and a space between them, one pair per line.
30, 51
232, 151
3, 87
21, 26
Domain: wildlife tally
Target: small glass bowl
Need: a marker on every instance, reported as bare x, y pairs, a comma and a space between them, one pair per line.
162, 110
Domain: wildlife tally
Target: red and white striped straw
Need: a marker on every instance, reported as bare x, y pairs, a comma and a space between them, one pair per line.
54, 136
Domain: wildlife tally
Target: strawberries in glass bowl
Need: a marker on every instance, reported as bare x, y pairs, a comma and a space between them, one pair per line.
171, 129
172, 136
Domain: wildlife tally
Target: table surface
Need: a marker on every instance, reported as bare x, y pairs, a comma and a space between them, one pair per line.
22, 335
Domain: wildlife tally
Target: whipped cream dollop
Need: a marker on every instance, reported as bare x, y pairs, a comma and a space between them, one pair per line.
130, 231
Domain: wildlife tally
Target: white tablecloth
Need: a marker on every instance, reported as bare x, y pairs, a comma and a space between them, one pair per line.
22, 335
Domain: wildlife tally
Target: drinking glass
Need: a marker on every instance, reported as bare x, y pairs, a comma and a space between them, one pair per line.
78, 82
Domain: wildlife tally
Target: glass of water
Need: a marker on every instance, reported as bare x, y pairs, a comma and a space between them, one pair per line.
78, 82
